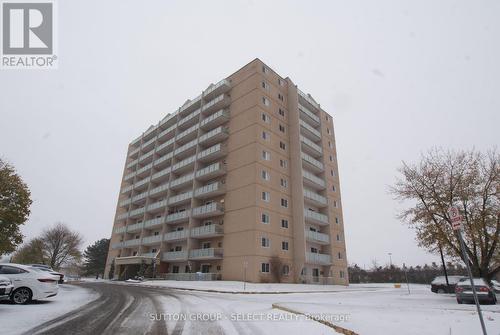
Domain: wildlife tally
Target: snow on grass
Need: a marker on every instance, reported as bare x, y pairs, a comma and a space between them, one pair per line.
16, 319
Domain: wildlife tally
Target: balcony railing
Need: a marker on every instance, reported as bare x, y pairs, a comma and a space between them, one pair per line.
308, 175
189, 117
182, 180
149, 254
117, 245
163, 172
314, 162
205, 253
320, 259
154, 222
308, 98
171, 218
137, 211
316, 134
135, 227
209, 190
204, 231
310, 114
163, 159
176, 235
159, 189
217, 133
180, 197
318, 237
190, 104
174, 255
315, 217
156, 205
186, 146
151, 239
132, 243
211, 170
183, 163
311, 144
208, 210
222, 85
213, 150
120, 230
186, 132
216, 118
315, 197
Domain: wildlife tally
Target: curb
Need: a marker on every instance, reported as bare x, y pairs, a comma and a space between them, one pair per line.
338, 329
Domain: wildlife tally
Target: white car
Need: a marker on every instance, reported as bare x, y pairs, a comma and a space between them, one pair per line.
6, 288
29, 283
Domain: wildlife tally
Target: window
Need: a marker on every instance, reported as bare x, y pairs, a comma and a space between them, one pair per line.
281, 112
332, 173
175, 269
265, 69
341, 273
282, 128
331, 158
284, 223
266, 156
265, 136
264, 242
280, 96
266, 101
338, 237
266, 118
134, 253
330, 145
314, 250
264, 267
10, 270
284, 245
265, 218
265, 175
154, 250
281, 82
178, 248
337, 221
286, 270
333, 188
335, 203
265, 85
156, 233
266, 196
283, 163
284, 203
328, 131
339, 255
284, 182
282, 145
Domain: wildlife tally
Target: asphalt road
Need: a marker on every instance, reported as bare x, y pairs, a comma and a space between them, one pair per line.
119, 310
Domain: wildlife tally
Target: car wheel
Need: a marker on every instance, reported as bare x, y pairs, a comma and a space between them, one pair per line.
440, 291
21, 295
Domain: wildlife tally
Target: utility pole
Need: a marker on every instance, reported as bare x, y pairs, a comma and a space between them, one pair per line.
456, 222
390, 259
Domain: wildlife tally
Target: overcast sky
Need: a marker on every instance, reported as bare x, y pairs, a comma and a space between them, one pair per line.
398, 77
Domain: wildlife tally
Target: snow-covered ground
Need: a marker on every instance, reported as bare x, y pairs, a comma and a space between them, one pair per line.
16, 319
363, 308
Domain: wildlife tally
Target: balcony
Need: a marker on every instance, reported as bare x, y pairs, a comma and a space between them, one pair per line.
187, 135
117, 245
122, 216
131, 243
208, 253
315, 199
213, 90
132, 163
308, 99
165, 147
215, 104
157, 206
161, 175
309, 131
135, 227
163, 161
136, 212
120, 230
211, 171
170, 119
210, 190
215, 152
159, 190
180, 198
182, 181
155, 239
135, 152
184, 165
154, 223
149, 254
190, 106
142, 172
127, 189
177, 235
312, 163
186, 149
319, 259
313, 181
173, 256
189, 120
167, 132
148, 145
177, 217
317, 237
309, 116
310, 147
315, 217
209, 210
214, 136
216, 119
207, 231
125, 202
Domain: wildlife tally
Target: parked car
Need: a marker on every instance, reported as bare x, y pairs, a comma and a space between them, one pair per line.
48, 269
438, 285
485, 293
29, 283
6, 288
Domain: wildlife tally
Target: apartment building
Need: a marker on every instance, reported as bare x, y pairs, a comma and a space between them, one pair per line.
239, 183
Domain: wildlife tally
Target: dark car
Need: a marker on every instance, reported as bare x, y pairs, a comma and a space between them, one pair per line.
438, 285
46, 268
485, 294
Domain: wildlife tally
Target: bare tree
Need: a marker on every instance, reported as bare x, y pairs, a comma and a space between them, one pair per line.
61, 245
276, 268
468, 179
30, 253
